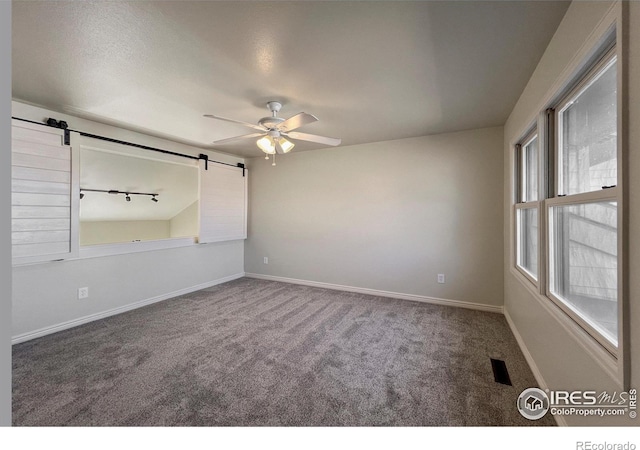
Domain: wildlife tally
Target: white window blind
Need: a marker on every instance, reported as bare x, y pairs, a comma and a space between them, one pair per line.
42, 203
223, 203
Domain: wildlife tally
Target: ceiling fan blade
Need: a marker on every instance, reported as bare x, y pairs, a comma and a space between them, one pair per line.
244, 136
246, 124
279, 149
315, 138
297, 121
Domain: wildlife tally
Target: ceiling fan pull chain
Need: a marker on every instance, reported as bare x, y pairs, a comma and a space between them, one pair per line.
274, 160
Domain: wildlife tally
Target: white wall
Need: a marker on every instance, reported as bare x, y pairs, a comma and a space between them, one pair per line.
387, 216
45, 295
92, 233
564, 363
185, 223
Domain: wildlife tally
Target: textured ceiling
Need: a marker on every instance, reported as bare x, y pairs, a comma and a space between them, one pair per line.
370, 71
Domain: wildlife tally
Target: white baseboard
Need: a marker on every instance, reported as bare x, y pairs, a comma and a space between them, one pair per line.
542, 384
112, 312
412, 297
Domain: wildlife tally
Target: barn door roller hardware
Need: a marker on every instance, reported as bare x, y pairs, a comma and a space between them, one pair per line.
62, 125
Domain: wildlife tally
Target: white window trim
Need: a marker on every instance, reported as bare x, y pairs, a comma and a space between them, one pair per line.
520, 182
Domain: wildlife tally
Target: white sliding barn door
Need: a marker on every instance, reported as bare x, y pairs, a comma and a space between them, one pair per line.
223, 203
44, 191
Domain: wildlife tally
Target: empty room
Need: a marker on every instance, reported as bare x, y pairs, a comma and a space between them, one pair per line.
324, 213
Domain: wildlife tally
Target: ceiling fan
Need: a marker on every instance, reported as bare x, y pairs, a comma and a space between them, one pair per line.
273, 131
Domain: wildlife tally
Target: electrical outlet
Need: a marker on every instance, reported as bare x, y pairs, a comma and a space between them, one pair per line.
441, 278
83, 292
266, 260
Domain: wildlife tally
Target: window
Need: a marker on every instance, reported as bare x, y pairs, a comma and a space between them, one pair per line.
527, 206
574, 215
527, 223
134, 196
150, 200
530, 170
587, 135
583, 215
583, 263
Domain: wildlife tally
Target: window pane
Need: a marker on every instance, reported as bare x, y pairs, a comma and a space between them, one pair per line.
528, 240
587, 128
583, 269
530, 171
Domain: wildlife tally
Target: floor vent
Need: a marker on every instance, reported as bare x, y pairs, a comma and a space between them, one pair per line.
500, 372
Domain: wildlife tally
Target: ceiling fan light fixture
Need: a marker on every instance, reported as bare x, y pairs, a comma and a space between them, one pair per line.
267, 145
273, 131
287, 146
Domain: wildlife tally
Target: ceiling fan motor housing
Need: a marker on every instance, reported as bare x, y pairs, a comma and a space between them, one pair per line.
273, 121
270, 122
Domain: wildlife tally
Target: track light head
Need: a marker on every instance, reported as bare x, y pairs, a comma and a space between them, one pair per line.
81, 195
154, 199
128, 198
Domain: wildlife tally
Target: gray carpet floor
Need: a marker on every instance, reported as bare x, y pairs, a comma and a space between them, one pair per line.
254, 352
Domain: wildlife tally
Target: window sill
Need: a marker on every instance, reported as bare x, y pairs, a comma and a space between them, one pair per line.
528, 276
592, 347
96, 251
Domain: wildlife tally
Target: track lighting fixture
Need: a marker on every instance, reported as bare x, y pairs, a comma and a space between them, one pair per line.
127, 195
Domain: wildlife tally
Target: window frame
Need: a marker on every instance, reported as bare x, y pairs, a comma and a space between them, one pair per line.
613, 194
534, 278
521, 203
601, 196
122, 248
608, 39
